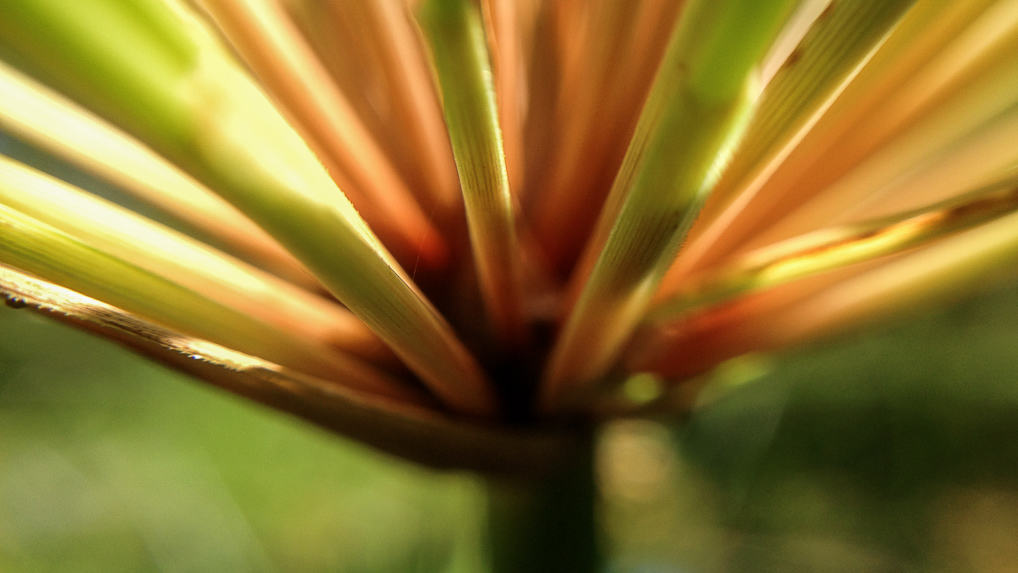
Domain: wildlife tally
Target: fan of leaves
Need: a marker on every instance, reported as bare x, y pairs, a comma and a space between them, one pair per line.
454, 229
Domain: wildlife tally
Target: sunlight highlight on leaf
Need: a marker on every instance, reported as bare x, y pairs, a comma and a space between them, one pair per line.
970, 129
933, 274
833, 51
215, 123
663, 181
504, 24
180, 259
262, 33
839, 247
455, 35
501, 210
58, 126
44, 251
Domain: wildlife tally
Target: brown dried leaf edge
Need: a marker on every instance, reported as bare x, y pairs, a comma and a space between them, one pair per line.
424, 436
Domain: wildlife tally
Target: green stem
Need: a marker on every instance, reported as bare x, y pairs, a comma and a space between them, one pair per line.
455, 35
546, 523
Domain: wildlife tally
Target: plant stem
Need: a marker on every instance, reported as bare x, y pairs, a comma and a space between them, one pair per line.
546, 523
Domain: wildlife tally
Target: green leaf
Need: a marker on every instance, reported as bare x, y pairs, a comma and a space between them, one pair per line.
38, 248
831, 53
839, 247
261, 32
459, 53
933, 274
967, 136
180, 93
59, 127
139, 241
698, 108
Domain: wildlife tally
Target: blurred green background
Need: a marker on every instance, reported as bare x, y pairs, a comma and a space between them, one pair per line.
892, 450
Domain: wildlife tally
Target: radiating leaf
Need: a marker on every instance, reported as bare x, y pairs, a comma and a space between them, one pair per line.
455, 35
161, 251
40, 249
42, 118
809, 160
271, 44
611, 52
697, 110
976, 121
933, 274
507, 43
414, 433
838, 247
834, 49
180, 93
